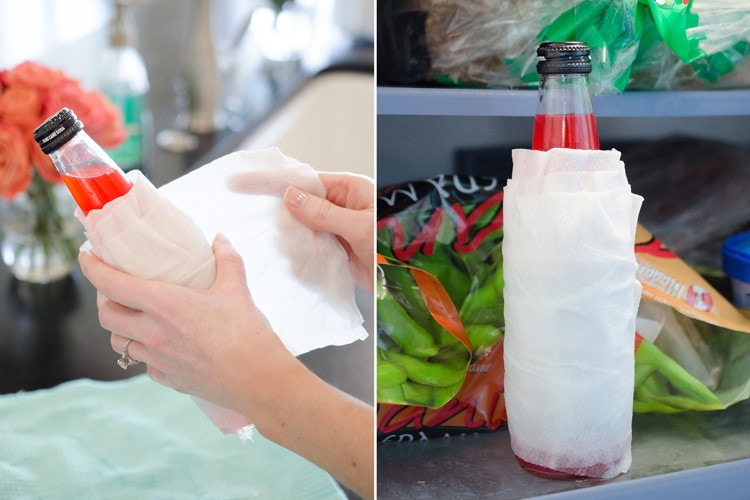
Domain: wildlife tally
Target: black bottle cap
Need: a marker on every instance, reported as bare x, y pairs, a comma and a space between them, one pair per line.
57, 130
557, 58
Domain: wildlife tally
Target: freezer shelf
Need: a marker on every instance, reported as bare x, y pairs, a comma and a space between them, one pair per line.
687, 455
496, 102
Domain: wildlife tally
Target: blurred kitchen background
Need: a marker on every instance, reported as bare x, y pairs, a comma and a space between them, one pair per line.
222, 54
211, 77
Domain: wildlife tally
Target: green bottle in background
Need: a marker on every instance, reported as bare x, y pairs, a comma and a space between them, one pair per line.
124, 80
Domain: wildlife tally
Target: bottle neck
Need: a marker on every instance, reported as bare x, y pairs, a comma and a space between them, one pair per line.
565, 114
121, 27
566, 94
79, 153
92, 177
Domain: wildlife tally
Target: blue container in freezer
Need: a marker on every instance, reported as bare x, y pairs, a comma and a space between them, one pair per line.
735, 255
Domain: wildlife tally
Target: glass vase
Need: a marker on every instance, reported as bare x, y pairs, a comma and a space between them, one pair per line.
40, 235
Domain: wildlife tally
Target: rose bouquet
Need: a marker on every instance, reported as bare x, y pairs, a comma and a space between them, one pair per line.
34, 224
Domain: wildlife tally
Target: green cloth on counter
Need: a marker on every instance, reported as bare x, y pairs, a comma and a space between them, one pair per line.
137, 439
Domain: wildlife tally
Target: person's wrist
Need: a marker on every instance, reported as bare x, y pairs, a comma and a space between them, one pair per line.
273, 399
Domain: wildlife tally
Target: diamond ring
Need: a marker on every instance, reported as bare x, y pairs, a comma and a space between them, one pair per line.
125, 360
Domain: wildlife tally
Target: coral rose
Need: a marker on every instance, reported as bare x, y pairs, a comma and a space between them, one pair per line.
21, 106
105, 126
15, 165
29, 94
100, 118
32, 75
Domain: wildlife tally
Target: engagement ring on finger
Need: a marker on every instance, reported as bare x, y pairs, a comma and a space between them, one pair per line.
125, 360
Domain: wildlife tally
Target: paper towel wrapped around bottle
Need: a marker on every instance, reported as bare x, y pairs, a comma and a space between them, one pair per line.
164, 235
571, 298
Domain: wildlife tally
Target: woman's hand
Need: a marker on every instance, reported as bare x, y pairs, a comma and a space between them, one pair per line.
210, 343
217, 345
348, 211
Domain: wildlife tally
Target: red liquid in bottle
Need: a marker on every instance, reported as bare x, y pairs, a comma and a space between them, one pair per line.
545, 472
565, 131
94, 186
572, 132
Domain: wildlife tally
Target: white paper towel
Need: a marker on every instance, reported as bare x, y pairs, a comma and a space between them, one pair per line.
571, 298
299, 278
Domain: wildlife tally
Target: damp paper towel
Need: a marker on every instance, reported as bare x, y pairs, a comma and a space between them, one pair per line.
299, 278
571, 298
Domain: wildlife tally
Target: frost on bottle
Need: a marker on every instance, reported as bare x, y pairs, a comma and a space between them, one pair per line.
92, 177
565, 113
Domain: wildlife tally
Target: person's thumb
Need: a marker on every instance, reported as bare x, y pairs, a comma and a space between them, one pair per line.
230, 268
315, 212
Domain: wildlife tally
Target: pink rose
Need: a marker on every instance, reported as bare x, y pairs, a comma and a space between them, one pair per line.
15, 166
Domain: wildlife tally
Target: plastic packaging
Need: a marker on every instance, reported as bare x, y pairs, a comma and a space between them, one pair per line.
636, 44
440, 309
669, 379
493, 43
696, 195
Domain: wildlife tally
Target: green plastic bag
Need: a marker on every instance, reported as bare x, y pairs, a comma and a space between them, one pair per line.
636, 44
439, 287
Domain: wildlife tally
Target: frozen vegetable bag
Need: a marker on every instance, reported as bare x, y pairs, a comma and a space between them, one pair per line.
440, 307
692, 344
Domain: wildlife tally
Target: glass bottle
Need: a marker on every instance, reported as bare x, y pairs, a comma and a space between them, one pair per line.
565, 113
124, 80
564, 119
90, 174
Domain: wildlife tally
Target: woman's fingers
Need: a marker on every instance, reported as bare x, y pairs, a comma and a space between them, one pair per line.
230, 268
315, 212
118, 318
116, 285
